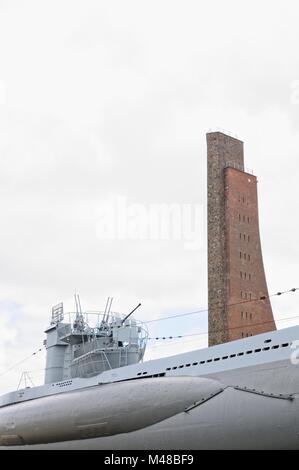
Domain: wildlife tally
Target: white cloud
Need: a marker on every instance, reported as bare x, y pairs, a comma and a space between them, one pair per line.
111, 97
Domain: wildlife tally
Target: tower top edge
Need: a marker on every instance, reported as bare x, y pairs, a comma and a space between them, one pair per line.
226, 134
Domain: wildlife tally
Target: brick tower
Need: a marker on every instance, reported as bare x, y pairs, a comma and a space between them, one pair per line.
235, 264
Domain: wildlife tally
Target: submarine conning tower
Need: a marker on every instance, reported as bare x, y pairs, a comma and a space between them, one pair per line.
87, 344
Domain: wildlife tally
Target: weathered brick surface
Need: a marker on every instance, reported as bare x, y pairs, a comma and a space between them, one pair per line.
235, 264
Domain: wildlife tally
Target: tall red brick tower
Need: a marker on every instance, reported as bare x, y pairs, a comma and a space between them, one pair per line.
235, 263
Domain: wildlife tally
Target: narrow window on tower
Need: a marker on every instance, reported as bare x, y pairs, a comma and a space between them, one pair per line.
241, 294
245, 275
243, 199
251, 316
248, 257
248, 238
244, 236
240, 236
243, 218
242, 315
244, 255
239, 217
249, 276
250, 296
241, 274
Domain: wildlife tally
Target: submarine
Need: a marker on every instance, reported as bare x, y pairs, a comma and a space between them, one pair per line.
99, 393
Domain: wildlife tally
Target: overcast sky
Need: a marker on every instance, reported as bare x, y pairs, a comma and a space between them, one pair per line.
108, 100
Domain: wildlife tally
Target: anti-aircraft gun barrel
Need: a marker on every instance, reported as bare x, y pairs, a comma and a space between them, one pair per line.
123, 321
